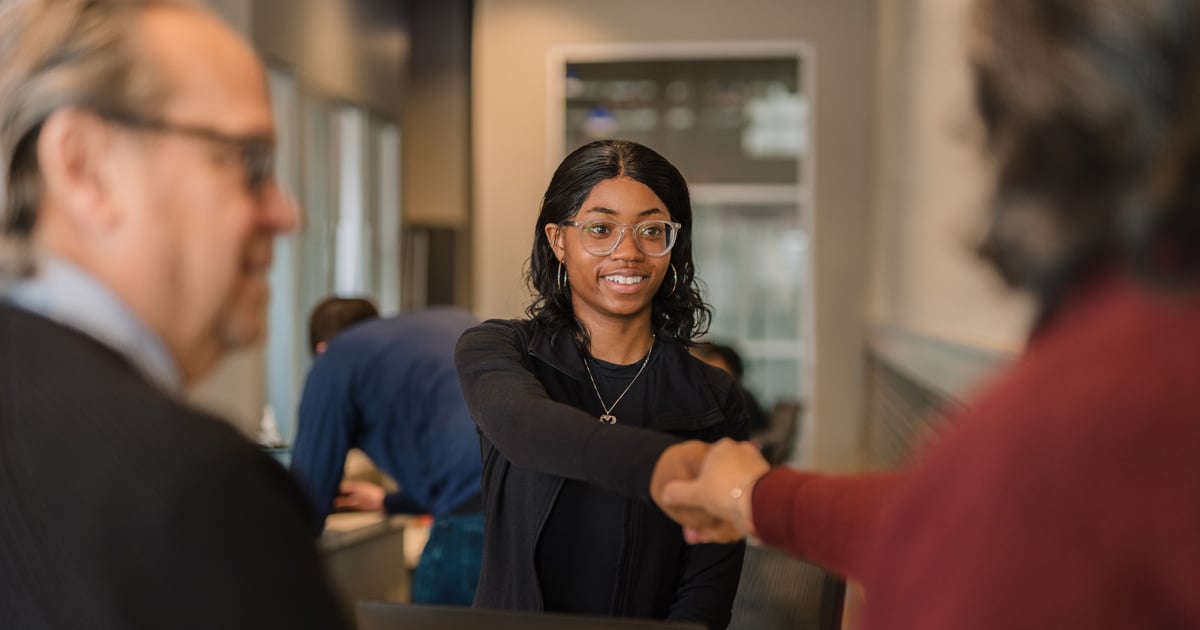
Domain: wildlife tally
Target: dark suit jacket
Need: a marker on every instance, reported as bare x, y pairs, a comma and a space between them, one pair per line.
122, 508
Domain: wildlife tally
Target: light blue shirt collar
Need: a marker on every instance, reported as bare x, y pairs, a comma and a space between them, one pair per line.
66, 294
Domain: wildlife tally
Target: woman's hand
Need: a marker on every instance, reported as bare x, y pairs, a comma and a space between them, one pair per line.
681, 463
721, 491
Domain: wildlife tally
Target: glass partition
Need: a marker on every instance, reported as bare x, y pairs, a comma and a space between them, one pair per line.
340, 161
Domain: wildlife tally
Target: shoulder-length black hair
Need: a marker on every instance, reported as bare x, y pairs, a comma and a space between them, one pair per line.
678, 312
1092, 115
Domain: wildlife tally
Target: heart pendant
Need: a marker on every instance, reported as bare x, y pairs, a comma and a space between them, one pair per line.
608, 419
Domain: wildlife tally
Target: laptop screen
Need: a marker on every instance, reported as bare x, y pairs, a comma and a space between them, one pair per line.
391, 616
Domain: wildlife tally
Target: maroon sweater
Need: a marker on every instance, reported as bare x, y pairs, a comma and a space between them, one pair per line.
1066, 495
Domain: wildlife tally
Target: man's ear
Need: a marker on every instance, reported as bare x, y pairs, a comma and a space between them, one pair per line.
74, 149
554, 236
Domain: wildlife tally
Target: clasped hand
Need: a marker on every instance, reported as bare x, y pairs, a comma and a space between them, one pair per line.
706, 488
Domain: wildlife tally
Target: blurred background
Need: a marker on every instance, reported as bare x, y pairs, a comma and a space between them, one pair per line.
828, 143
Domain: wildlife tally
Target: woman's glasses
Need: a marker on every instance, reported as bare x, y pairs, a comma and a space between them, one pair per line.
601, 238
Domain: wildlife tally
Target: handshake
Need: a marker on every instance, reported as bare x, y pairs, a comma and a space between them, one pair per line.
707, 488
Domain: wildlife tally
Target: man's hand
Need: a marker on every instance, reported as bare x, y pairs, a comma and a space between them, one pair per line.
361, 496
681, 463
721, 492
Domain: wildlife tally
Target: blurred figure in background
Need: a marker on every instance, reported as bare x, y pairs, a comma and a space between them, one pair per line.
728, 359
136, 142
388, 386
774, 434
1065, 494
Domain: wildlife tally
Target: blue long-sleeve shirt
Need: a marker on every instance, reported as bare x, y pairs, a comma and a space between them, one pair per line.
390, 388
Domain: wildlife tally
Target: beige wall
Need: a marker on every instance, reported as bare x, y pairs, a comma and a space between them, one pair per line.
238, 13
353, 51
437, 115
511, 42
931, 184
436, 157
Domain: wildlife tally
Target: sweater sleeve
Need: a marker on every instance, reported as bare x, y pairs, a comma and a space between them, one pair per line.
821, 518
399, 503
323, 436
709, 583
515, 413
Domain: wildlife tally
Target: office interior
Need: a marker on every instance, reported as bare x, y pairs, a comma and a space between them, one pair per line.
830, 148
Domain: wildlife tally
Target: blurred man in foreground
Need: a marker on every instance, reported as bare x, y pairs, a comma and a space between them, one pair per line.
136, 141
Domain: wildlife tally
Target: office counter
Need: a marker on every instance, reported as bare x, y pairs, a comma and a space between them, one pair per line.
365, 556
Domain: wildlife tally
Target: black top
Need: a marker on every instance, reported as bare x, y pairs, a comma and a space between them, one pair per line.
587, 519
539, 427
122, 508
622, 390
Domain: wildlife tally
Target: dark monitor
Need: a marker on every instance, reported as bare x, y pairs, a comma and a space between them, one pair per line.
391, 616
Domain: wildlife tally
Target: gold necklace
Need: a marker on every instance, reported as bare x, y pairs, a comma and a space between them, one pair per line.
607, 417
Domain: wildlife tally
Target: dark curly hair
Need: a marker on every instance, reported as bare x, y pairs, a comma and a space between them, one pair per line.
678, 315
1090, 109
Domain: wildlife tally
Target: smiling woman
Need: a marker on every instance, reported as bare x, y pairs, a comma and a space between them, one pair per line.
577, 403
611, 277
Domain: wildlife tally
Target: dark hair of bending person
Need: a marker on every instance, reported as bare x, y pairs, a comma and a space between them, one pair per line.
332, 315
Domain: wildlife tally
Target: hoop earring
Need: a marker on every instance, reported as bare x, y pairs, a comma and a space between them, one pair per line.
562, 277
674, 281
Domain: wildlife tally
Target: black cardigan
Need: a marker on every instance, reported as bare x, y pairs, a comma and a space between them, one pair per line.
537, 416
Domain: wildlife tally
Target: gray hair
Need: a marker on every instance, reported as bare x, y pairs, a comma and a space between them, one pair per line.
1091, 110
58, 54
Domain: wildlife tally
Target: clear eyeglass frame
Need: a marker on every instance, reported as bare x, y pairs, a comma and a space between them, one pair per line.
602, 237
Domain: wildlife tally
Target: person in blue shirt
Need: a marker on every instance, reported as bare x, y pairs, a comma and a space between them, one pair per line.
388, 386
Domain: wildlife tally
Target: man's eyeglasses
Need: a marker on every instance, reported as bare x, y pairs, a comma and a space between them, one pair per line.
256, 152
601, 238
